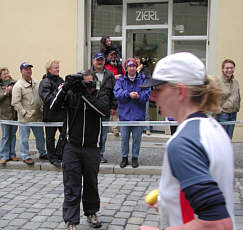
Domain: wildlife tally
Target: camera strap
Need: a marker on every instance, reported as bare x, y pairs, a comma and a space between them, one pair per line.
74, 116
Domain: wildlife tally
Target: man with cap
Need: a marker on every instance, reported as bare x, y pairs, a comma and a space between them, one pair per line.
106, 81
27, 103
116, 68
196, 186
131, 107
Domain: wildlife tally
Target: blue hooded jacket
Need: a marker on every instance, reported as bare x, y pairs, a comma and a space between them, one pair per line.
131, 109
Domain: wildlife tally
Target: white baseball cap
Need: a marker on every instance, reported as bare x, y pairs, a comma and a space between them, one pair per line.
181, 67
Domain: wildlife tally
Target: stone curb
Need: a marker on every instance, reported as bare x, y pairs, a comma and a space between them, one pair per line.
104, 168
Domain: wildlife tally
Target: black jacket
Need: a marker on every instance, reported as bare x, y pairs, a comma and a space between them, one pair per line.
48, 89
107, 86
84, 111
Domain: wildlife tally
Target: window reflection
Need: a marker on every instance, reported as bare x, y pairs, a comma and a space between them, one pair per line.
106, 18
190, 17
198, 48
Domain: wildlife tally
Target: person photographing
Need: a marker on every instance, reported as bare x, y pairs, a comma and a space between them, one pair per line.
85, 105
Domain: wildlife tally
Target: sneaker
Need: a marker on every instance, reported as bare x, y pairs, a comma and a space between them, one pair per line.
116, 134
102, 160
71, 226
3, 162
94, 221
29, 161
124, 162
135, 162
148, 132
14, 159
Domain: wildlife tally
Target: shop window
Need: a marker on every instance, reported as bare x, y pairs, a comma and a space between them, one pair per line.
198, 48
106, 18
190, 17
147, 13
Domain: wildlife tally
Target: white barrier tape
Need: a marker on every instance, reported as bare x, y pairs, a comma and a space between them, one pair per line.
155, 123
109, 123
46, 124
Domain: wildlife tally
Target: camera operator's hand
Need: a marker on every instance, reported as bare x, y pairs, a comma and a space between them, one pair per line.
66, 86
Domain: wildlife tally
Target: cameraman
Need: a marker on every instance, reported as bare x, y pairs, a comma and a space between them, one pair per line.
81, 155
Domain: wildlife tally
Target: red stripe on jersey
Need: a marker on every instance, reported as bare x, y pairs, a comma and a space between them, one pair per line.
186, 210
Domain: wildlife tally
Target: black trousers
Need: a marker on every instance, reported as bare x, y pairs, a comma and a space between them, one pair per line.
80, 167
50, 142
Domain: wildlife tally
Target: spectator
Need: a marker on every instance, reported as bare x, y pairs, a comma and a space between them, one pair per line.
144, 70
7, 112
198, 164
81, 154
106, 45
27, 103
116, 68
131, 107
47, 90
106, 81
172, 127
230, 101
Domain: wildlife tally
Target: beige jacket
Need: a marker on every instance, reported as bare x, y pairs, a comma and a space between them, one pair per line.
230, 100
26, 101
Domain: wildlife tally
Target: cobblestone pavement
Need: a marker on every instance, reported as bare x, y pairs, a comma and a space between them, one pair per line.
31, 199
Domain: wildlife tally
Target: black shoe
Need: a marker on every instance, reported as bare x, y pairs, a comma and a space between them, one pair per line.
102, 160
94, 221
135, 162
44, 157
124, 162
57, 164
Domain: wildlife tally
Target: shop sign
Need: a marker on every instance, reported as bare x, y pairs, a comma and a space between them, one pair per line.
146, 15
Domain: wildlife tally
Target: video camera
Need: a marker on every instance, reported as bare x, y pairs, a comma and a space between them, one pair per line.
75, 82
90, 84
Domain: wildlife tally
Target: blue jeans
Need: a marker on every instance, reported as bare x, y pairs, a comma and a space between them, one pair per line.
136, 140
8, 141
227, 117
24, 134
105, 130
147, 117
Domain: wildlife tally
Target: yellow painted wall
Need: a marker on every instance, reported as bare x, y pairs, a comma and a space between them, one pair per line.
36, 31
230, 45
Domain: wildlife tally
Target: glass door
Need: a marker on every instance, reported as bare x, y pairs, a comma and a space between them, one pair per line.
150, 46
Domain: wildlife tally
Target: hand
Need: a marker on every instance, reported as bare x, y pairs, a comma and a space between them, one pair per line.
112, 111
60, 86
155, 205
65, 86
117, 76
134, 95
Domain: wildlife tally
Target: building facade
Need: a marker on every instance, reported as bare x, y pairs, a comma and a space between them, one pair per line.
70, 31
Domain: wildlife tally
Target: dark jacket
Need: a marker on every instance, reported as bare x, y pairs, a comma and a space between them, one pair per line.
107, 50
107, 86
146, 72
7, 111
48, 89
83, 124
131, 109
